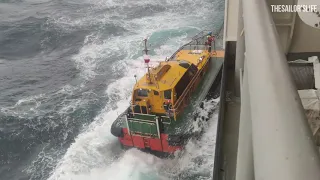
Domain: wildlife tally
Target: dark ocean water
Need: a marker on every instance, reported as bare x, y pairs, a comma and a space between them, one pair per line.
66, 65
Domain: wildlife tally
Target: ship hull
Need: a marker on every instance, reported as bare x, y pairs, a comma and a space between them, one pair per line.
149, 144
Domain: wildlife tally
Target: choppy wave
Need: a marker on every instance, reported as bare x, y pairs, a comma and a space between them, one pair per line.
64, 124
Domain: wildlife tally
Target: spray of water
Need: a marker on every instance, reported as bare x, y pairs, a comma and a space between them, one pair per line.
95, 153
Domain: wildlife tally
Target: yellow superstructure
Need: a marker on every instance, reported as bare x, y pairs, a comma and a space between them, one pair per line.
168, 86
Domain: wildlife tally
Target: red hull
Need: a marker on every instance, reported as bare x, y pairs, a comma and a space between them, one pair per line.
154, 144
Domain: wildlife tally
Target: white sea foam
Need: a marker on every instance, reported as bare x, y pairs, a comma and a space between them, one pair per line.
95, 154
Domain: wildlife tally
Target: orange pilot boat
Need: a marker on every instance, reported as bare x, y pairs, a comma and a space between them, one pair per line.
158, 118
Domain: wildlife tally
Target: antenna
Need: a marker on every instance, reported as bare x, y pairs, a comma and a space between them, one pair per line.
135, 77
145, 46
147, 58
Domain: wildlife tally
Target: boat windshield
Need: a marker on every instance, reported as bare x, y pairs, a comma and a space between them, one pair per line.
167, 94
142, 92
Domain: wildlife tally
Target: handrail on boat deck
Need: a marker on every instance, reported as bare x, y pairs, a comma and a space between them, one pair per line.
182, 98
201, 34
197, 36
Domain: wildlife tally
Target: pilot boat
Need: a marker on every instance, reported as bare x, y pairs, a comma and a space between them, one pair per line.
159, 117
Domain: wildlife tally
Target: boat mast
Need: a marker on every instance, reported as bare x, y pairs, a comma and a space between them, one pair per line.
146, 58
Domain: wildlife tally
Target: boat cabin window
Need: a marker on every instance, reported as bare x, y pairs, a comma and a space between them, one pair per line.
193, 69
142, 92
137, 109
156, 93
167, 94
185, 80
184, 64
140, 109
144, 110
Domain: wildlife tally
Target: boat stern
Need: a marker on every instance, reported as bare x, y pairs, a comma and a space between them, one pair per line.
148, 143
145, 132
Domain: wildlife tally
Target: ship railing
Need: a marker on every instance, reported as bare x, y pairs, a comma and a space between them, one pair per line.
183, 99
275, 141
195, 41
201, 34
185, 96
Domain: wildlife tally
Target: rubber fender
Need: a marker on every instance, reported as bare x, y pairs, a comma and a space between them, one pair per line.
202, 105
116, 130
176, 140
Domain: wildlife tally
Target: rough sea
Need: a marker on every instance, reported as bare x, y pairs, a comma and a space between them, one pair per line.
67, 70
